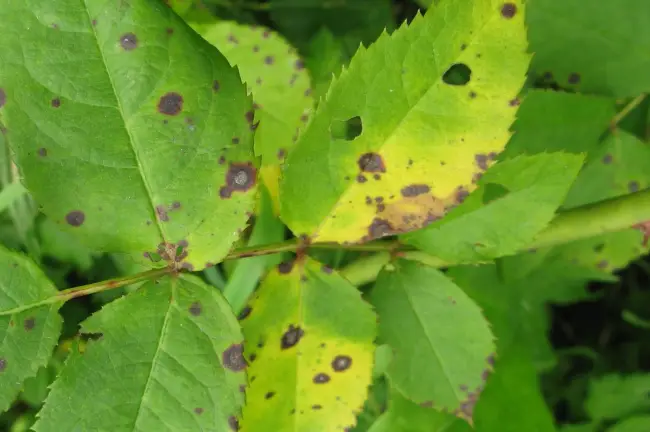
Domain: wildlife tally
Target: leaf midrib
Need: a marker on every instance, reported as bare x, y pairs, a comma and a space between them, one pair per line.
120, 110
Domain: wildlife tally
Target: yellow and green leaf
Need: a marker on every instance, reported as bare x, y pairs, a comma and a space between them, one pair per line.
423, 138
309, 343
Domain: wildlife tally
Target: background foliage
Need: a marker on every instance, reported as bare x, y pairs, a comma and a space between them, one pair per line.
569, 322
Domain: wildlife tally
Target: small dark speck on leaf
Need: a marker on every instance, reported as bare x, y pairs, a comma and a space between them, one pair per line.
508, 10
29, 323
361, 178
300, 64
268, 60
187, 266
291, 337
602, 264
472, 95
514, 102
574, 78
235, 140
3, 97
341, 363
216, 86
266, 34
233, 423
607, 159
195, 309
170, 104
269, 395
233, 358
245, 312
316, 407
481, 161
321, 378
56, 102
161, 212
371, 162
326, 269
633, 186
94, 22
42, 152
427, 404
198, 411
75, 218
129, 41
3, 364
285, 267
415, 190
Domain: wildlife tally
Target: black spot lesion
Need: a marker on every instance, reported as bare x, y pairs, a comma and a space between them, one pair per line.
240, 177
195, 309
321, 378
291, 337
508, 10
233, 358
285, 267
372, 163
75, 218
415, 190
341, 363
29, 323
128, 41
245, 312
170, 104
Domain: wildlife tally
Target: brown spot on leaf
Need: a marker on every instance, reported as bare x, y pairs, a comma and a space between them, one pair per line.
361, 178
56, 102
75, 218
170, 104
316, 407
42, 152
3, 97
633, 186
281, 153
481, 161
235, 140
379, 228
300, 64
291, 337
285, 267
269, 395
161, 213
256, 48
321, 378
508, 10
427, 404
3, 364
216, 86
198, 411
602, 264
195, 309
514, 102
326, 269
233, 358
240, 177
245, 312
233, 423
461, 194
128, 41
574, 78
341, 363
415, 190
371, 162
607, 159
29, 323
268, 60
222, 160
472, 95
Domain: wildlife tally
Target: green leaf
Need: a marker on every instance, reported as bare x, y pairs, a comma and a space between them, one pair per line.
443, 347
613, 396
632, 424
551, 121
535, 185
29, 327
324, 60
60, 244
406, 416
125, 131
165, 357
280, 86
420, 138
620, 165
592, 49
309, 341
11, 193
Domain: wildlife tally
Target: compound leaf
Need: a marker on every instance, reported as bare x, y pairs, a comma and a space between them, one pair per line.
29, 328
516, 200
130, 130
166, 357
442, 344
592, 49
309, 341
415, 140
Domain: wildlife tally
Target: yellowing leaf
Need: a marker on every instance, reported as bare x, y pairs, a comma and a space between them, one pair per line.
309, 342
424, 136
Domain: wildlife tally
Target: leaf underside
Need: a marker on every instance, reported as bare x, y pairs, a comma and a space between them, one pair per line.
136, 134
309, 341
422, 142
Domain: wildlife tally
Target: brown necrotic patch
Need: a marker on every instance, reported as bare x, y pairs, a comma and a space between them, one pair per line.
415, 190
56, 102
75, 218
195, 309
379, 228
3, 97
321, 378
161, 213
198, 411
341, 363
607, 159
291, 337
170, 104
285, 267
508, 10
371, 162
481, 161
29, 323
633, 186
240, 177
233, 358
128, 41
269, 395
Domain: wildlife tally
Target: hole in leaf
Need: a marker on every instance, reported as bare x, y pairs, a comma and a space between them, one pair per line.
458, 74
346, 130
494, 191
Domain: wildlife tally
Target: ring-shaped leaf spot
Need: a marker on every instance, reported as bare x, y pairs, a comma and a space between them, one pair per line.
442, 344
29, 331
426, 131
131, 125
311, 337
169, 351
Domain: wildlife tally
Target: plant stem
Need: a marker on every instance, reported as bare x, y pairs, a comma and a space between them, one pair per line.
626, 110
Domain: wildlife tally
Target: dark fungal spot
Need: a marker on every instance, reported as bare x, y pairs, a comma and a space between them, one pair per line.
170, 104
240, 177
291, 337
316, 407
602, 264
216, 86
514, 102
3, 364
29, 323
361, 178
461, 194
233, 358
169, 31
250, 116
321, 378
3, 97
245, 312
129, 41
161, 213
379, 228
266, 34
268, 60
232, 38
326, 269
269, 395
341, 363
235, 140
281, 153
481, 161
508, 10
285, 267
75, 218
599, 247
607, 159
633, 186
56, 102
574, 78
256, 48
242, 388
252, 357
371, 162
463, 47
195, 309
472, 95
222, 160
42, 152
300, 64
198, 411
490, 359
308, 92
415, 190
233, 423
